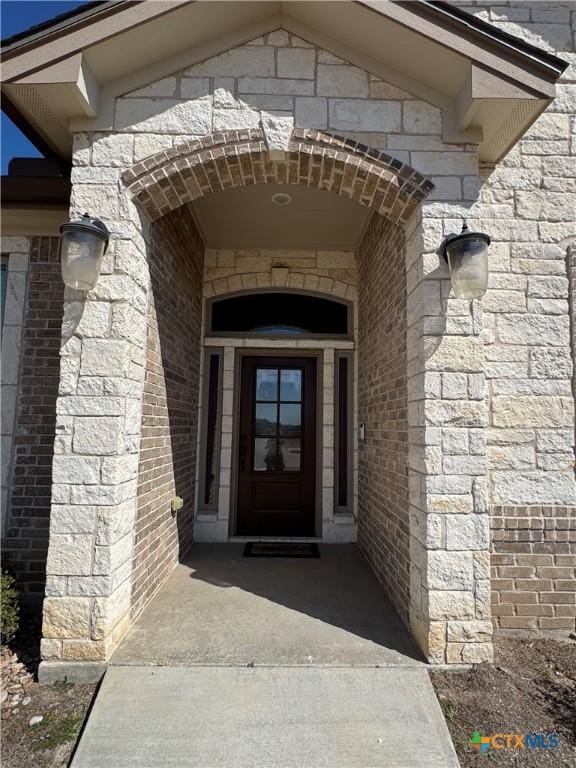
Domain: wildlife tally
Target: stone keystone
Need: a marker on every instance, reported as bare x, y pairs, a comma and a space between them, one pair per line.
277, 132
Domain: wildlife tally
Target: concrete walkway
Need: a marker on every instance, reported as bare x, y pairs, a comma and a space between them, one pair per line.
221, 608
267, 663
230, 717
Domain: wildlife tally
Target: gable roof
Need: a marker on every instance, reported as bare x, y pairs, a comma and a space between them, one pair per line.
63, 76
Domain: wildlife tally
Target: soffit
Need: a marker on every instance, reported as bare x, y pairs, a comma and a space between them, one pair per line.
248, 218
490, 92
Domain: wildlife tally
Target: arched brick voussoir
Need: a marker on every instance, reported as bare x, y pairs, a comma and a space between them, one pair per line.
232, 159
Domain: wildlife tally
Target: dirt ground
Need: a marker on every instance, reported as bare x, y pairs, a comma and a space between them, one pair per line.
48, 744
531, 688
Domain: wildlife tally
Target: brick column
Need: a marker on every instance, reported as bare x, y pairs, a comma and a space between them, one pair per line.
86, 608
449, 521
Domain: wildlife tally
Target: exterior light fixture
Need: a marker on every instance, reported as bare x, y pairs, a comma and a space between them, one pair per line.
84, 243
467, 258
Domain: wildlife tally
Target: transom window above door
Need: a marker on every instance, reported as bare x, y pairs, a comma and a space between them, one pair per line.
277, 314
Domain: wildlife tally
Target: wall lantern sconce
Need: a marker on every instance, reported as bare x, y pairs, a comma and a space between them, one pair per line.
84, 243
467, 258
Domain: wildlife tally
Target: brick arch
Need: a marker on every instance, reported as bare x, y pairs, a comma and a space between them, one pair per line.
229, 159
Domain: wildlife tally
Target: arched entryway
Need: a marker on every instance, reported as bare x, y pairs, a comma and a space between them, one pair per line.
172, 358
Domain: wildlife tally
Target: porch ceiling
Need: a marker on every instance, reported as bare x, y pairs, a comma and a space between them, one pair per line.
491, 87
248, 218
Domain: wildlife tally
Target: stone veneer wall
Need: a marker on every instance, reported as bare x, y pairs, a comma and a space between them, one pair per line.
383, 524
25, 541
167, 465
529, 359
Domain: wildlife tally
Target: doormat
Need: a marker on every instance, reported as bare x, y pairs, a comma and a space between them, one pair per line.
280, 549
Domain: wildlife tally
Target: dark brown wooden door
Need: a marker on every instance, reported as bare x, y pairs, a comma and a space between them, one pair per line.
277, 447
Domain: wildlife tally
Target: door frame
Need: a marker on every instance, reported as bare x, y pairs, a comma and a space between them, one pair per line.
271, 351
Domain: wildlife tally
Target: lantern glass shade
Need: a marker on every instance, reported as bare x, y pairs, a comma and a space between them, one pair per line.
83, 245
467, 257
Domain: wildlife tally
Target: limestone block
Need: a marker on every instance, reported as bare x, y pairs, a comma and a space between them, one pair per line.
469, 631
66, 617
420, 117
548, 287
548, 306
104, 357
454, 386
81, 149
108, 558
98, 435
164, 88
298, 64
449, 570
550, 363
94, 197
65, 518
504, 301
554, 440
455, 441
450, 604
455, 413
444, 164
467, 532
114, 523
549, 126
359, 115
235, 119
50, 650
90, 406
279, 38
342, 81
469, 653
164, 116
464, 465
536, 487
83, 650
286, 86
119, 469
526, 411
552, 206
510, 457
454, 353
108, 611
70, 554
267, 101
95, 319
481, 566
238, 62
311, 112
116, 150
76, 469
149, 144
537, 330
277, 130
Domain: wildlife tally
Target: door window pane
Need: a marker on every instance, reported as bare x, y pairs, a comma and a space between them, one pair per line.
266, 384
265, 419
291, 385
290, 418
264, 454
289, 456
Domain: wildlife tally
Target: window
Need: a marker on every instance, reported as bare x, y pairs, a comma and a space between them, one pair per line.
278, 420
279, 314
210, 437
343, 420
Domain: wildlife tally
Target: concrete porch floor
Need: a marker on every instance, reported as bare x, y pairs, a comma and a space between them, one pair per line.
220, 608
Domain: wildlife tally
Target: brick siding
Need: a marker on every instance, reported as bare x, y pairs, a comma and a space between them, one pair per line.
25, 544
383, 526
170, 404
533, 564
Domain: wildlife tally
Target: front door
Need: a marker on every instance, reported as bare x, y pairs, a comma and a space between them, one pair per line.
277, 447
